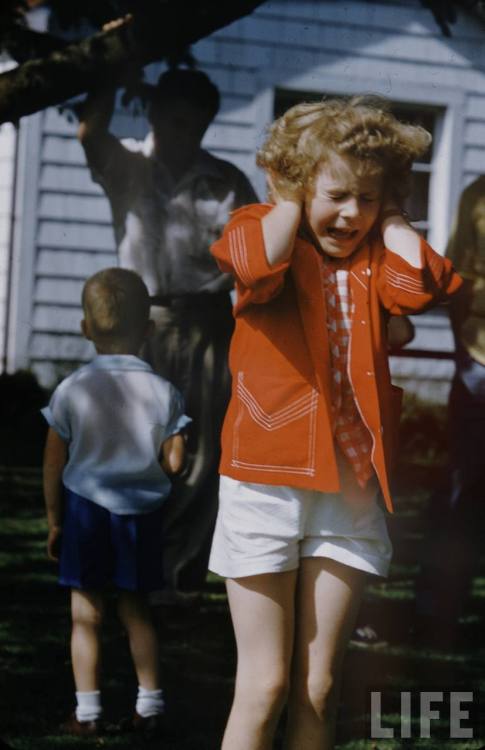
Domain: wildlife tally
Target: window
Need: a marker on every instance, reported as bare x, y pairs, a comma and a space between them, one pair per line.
418, 204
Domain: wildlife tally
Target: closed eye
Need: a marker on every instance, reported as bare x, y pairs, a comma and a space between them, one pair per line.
336, 196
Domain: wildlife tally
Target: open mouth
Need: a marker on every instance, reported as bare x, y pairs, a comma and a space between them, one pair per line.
342, 234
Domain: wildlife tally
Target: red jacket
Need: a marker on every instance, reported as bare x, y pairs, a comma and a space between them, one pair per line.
277, 428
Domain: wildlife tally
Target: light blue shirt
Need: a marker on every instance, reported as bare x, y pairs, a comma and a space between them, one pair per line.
115, 414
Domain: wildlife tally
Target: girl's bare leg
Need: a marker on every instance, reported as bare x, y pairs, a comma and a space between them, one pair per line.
262, 613
328, 598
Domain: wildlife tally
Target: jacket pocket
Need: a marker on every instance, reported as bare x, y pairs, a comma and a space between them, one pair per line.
275, 428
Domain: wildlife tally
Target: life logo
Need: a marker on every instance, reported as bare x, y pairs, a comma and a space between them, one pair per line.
424, 714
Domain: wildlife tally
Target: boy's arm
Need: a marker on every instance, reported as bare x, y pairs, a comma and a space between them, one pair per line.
172, 457
55, 457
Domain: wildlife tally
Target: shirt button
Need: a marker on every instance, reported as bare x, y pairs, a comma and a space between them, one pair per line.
363, 322
368, 272
369, 372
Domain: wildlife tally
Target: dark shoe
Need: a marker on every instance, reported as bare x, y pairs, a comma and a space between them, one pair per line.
148, 727
80, 728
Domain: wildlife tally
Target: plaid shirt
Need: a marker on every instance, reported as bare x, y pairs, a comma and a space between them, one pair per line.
351, 434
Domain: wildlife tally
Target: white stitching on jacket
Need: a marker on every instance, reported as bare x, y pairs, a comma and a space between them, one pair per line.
306, 405
298, 408
239, 255
404, 282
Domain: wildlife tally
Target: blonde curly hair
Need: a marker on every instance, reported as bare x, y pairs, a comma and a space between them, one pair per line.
360, 127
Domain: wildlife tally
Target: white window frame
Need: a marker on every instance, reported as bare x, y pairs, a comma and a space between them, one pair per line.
447, 172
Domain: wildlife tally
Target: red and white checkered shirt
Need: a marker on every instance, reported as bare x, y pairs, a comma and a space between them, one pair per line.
351, 434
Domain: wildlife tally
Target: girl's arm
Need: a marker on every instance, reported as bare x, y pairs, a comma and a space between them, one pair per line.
400, 237
279, 231
173, 454
412, 277
55, 457
280, 225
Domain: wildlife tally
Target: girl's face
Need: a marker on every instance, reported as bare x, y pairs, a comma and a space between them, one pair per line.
342, 207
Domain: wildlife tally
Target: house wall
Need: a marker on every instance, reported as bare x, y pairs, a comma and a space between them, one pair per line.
392, 48
7, 166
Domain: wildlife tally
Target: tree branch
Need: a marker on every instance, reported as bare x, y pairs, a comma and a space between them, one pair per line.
108, 56
23, 44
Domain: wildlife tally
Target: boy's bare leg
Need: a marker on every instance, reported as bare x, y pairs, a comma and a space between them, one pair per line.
87, 609
136, 616
328, 598
262, 612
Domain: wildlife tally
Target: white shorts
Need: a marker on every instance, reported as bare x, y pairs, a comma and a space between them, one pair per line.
264, 528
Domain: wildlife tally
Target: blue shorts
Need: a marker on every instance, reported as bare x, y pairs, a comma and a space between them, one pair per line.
99, 548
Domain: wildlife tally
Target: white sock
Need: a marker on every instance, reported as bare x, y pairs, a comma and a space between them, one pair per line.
149, 702
88, 705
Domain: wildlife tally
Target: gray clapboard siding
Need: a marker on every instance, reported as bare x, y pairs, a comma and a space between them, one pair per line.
56, 123
475, 106
376, 42
372, 73
65, 264
236, 108
75, 235
475, 159
409, 15
475, 133
67, 321
68, 179
62, 150
61, 290
235, 136
81, 208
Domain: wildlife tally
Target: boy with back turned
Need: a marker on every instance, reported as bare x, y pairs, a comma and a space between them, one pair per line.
114, 438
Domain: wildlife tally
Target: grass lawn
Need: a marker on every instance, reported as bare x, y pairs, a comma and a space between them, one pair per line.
198, 651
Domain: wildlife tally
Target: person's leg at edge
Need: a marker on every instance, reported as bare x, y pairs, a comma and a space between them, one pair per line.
87, 610
262, 610
327, 602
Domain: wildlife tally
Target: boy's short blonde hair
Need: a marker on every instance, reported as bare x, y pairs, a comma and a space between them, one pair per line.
360, 127
116, 304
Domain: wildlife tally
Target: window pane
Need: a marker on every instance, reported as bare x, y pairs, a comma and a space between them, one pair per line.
417, 202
